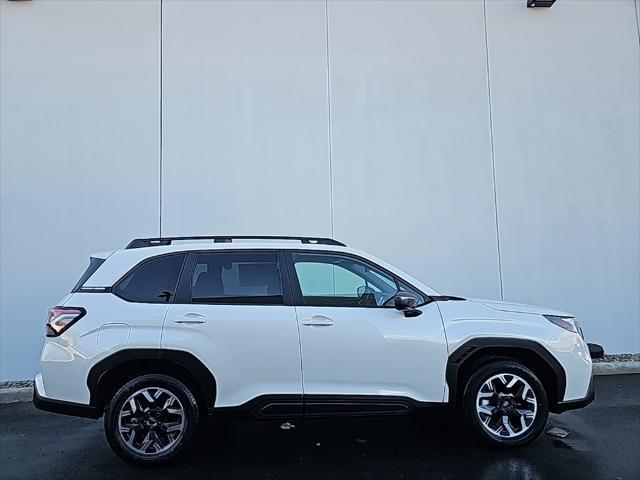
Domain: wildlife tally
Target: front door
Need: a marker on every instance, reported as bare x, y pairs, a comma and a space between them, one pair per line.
233, 312
355, 344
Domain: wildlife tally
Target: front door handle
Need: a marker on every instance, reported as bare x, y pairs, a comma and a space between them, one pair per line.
191, 318
318, 321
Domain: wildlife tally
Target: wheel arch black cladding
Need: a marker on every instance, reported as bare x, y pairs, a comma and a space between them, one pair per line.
475, 352
108, 375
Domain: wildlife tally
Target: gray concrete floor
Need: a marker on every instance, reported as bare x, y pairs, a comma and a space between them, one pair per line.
604, 444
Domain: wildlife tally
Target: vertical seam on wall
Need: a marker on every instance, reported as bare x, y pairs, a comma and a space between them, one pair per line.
160, 124
635, 5
493, 156
329, 132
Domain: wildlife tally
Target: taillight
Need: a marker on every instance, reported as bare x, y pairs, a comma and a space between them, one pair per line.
61, 318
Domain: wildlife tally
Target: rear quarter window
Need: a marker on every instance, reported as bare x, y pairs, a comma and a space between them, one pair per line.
152, 281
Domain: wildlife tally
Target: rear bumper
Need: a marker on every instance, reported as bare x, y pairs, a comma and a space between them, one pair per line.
577, 403
62, 407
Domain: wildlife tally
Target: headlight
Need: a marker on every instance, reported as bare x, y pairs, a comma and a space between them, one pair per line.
568, 323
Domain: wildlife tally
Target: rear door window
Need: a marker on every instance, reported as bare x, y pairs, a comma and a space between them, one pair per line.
236, 278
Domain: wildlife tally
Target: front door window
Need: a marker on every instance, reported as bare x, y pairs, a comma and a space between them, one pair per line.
329, 280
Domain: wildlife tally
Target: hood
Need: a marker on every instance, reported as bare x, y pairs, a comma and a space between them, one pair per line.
522, 308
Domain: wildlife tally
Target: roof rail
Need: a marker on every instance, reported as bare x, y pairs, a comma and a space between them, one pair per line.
157, 241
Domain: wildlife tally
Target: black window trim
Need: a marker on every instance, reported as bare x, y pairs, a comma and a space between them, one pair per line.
183, 292
113, 289
297, 291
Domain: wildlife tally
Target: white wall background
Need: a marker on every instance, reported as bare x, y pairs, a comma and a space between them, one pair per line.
484, 147
79, 149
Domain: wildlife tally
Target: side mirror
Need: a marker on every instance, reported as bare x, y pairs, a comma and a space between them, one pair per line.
404, 302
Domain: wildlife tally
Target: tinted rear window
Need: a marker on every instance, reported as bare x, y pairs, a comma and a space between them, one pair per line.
153, 281
94, 264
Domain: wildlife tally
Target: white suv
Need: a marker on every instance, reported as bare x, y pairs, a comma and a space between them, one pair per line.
160, 334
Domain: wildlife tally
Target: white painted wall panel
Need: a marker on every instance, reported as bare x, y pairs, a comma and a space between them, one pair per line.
78, 149
411, 144
565, 85
245, 118
246, 144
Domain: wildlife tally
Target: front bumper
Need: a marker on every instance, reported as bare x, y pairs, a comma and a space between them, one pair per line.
577, 403
60, 406
595, 351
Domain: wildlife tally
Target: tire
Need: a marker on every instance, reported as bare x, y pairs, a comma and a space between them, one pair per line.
151, 420
505, 389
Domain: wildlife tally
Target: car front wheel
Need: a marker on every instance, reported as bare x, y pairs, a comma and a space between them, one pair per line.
505, 404
151, 419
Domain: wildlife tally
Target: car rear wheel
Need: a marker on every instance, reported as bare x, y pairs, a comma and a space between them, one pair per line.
505, 404
151, 419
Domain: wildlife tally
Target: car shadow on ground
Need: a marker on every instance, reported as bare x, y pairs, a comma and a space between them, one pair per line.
425, 445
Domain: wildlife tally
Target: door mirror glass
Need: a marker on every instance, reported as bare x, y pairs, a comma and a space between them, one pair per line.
404, 300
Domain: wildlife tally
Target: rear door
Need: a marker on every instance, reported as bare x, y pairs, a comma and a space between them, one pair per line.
234, 312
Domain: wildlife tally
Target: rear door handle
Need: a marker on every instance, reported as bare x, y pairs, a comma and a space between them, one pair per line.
318, 321
191, 318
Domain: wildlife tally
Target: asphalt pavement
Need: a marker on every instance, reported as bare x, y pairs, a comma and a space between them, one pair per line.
604, 443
